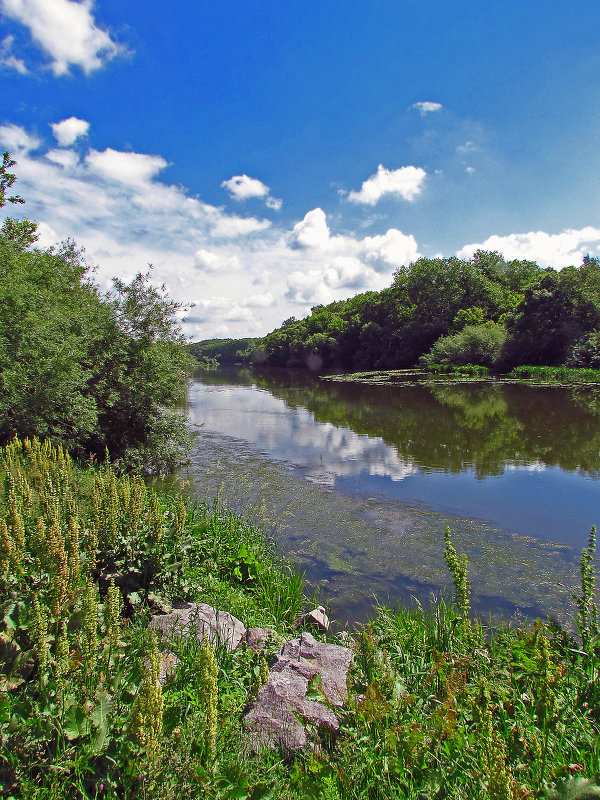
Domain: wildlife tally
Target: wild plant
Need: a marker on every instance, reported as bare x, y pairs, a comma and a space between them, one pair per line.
587, 613
462, 590
208, 694
147, 716
544, 693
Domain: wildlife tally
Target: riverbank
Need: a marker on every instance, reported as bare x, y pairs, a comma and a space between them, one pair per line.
438, 702
532, 375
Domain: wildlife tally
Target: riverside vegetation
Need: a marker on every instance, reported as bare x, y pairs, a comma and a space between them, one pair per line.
440, 705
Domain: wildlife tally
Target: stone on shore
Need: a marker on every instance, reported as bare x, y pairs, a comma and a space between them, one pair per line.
281, 708
257, 638
219, 627
317, 617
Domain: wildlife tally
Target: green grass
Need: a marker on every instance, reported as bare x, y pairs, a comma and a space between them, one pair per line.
556, 374
466, 370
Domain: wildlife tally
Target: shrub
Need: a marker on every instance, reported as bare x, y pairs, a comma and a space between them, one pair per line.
474, 344
586, 352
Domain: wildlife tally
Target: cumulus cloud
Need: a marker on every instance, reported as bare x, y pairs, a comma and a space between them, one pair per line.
341, 265
406, 182
427, 107
124, 167
7, 59
260, 300
389, 250
69, 130
66, 31
247, 274
274, 202
207, 308
312, 232
549, 250
66, 158
242, 187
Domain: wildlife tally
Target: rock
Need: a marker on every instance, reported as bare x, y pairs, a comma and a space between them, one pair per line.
219, 626
308, 657
257, 638
168, 666
317, 617
274, 719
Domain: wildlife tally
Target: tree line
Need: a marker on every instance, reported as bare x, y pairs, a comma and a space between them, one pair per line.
450, 311
443, 311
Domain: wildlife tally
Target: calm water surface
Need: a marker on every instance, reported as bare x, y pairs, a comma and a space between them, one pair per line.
357, 482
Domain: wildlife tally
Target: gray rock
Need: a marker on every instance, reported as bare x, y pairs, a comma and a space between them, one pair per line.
317, 617
219, 626
257, 638
168, 666
308, 657
281, 709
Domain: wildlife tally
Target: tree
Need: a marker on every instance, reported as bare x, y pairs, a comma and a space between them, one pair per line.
97, 372
6, 181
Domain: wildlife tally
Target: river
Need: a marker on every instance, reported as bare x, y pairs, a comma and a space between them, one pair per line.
357, 483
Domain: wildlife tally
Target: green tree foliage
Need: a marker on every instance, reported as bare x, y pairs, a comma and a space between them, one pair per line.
586, 352
474, 344
485, 308
559, 310
7, 179
226, 351
94, 371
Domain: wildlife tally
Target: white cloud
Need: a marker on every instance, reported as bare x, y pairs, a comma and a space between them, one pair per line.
69, 130
242, 187
123, 167
248, 273
391, 249
207, 308
7, 59
66, 158
406, 182
47, 236
311, 232
549, 250
229, 227
17, 140
427, 107
261, 300
212, 261
342, 265
66, 31
274, 202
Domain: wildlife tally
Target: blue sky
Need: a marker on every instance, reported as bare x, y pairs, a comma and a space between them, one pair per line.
268, 156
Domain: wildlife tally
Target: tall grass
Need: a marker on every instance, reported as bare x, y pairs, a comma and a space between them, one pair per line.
85, 556
462, 371
557, 374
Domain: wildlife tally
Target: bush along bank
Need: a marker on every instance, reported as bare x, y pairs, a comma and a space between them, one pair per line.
438, 705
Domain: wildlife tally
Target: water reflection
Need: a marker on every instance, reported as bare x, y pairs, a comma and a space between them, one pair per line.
361, 480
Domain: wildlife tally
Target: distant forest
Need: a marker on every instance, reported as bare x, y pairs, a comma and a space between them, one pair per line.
442, 311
